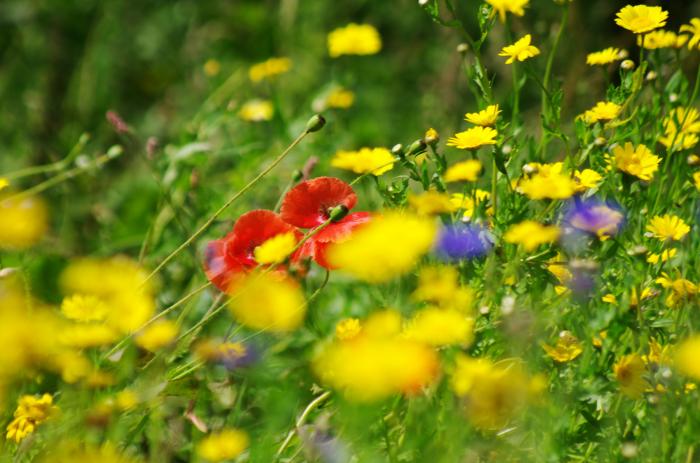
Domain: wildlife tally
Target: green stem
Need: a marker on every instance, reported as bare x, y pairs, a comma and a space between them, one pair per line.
54, 166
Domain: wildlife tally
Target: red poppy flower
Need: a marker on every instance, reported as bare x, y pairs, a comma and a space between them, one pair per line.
235, 252
310, 204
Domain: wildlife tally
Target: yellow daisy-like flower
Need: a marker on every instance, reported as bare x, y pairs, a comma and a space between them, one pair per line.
531, 234
366, 160
681, 128
603, 57
276, 249
473, 138
226, 444
340, 98
638, 162
661, 39
547, 183
668, 227
347, 329
381, 249
586, 179
157, 335
86, 335
431, 136
354, 39
602, 111
664, 256
31, 412
609, 299
520, 50
256, 111
485, 118
629, 372
270, 68
440, 327
567, 348
465, 171
680, 289
694, 29
517, 7
431, 203
641, 18
468, 202
84, 308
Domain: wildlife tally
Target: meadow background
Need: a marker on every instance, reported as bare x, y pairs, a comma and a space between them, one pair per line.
176, 74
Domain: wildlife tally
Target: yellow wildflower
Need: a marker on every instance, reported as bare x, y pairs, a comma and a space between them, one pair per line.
520, 50
561, 272
598, 340
157, 335
23, 221
668, 227
602, 111
366, 160
467, 171
485, 118
440, 285
347, 328
665, 255
126, 399
31, 412
276, 249
73, 452
340, 98
680, 289
270, 68
517, 7
440, 327
225, 444
431, 136
609, 299
212, 67
354, 39
661, 39
566, 349
548, 182
256, 111
586, 179
603, 57
694, 29
473, 138
696, 179
531, 234
84, 308
85, 335
384, 323
634, 299
431, 202
638, 162
382, 250
641, 18
468, 202
4, 183
267, 301
681, 128
629, 372
686, 357
658, 354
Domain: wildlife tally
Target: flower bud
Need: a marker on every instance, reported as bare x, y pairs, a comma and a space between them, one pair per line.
693, 160
600, 141
431, 136
651, 75
627, 65
462, 48
315, 124
338, 212
297, 175
416, 147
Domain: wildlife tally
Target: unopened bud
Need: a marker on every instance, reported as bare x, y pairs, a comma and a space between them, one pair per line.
651, 75
623, 54
673, 97
529, 169
315, 124
397, 150
297, 175
693, 160
416, 147
114, 151
431, 136
462, 48
600, 141
338, 213
627, 65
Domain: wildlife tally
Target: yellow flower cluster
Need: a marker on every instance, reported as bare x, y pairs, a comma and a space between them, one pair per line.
531, 234
225, 444
31, 412
681, 129
468, 203
270, 68
439, 286
661, 39
354, 39
547, 182
375, 161
431, 202
382, 249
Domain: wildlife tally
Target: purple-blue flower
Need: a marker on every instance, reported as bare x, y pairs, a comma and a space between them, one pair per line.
594, 217
463, 241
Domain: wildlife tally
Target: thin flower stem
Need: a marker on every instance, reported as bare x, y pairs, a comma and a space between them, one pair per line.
226, 205
54, 166
302, 418
494, 178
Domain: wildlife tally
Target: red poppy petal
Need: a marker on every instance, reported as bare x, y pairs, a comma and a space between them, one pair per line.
341, 230
307, 204
254, 228
217, 266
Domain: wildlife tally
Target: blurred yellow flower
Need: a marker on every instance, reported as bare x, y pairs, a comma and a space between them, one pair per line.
567, 348
681, 128
665, 255
641, 18
661, 39
276, 249
638, 162
340, 98
431, 202
270, 68
603, 57
694, 29
680, 289
468, 202
609, 299
439, 285
157, 335
382, 249
431, 136
485, 118
629, 373
212, 67
520, 50
268, 301
384, 323
586, 179
440, 327
517, 7
668, 227
473, 138
78, 452
658, 354
4, 183
548, 182
602, 111
354, 39
126, 399
256, 111
225, 444
465, 171
31, 412
531, 234
86, 335
366, 160
687, 355
347, 328
23, 221
84, 308
696, 179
